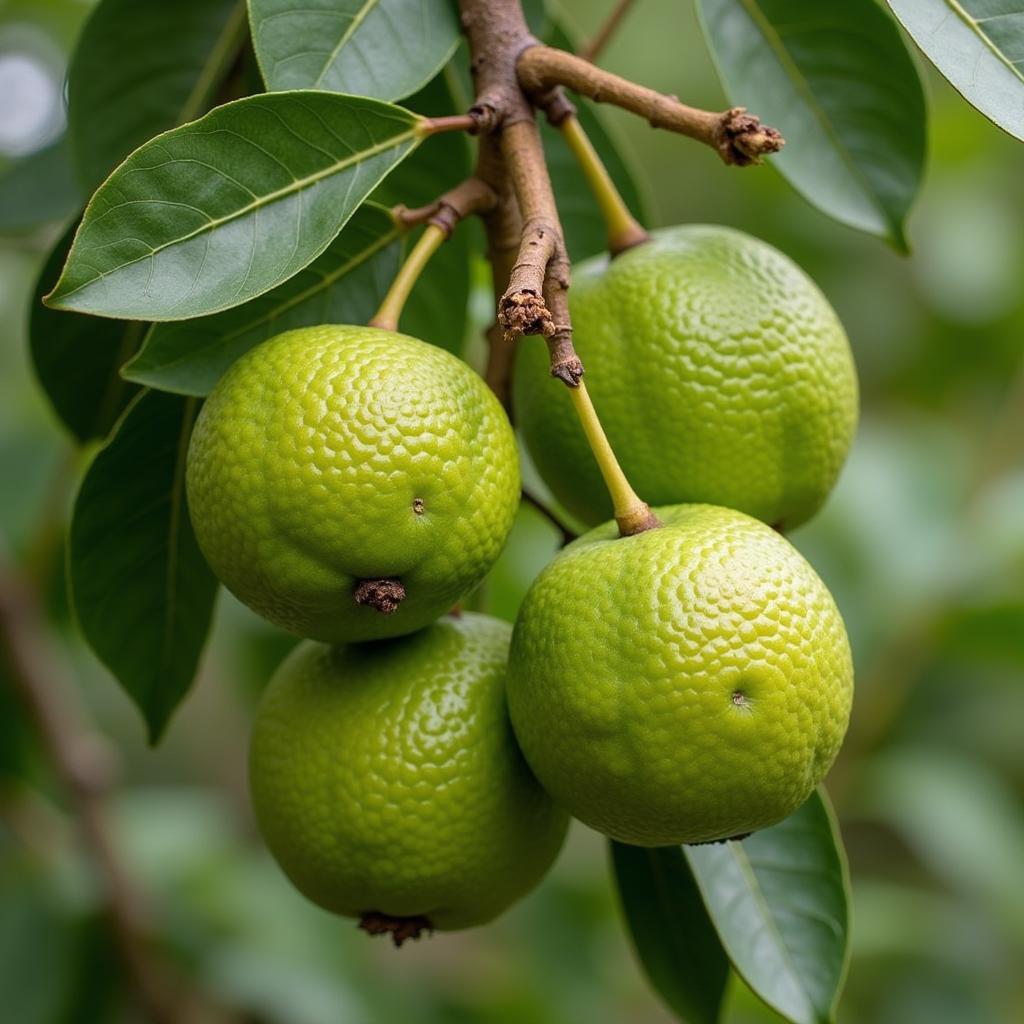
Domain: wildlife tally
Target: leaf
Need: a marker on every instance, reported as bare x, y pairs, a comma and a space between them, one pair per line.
979, 46
76, 358
779, 901
39, 188
836, 79
585, 231
218, 211
382, 48
672, 934
142, 593
141, 67
437, 309
344, 285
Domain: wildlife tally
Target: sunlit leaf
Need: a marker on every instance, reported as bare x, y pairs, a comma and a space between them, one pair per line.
381, 48
672, 934
143, 595
779, 901
979, 46
344, 285
837, 80
220, 210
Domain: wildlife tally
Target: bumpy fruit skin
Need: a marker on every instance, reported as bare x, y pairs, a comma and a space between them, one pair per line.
687, 684
386, 778
333, 454
720, 372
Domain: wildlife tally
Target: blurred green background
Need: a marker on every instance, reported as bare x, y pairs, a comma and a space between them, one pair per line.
922, 544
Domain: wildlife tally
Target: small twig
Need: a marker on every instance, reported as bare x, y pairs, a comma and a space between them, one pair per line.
76, 758
470, 122
568, 536
592, 50
739, 138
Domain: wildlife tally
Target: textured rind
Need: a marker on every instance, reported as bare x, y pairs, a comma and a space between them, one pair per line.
305, 468
686, 684
385, 777
719, 370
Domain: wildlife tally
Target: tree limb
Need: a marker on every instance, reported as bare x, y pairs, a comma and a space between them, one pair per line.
739, 138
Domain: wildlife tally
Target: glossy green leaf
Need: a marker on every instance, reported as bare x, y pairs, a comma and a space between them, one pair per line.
837, 80
344, 285
141, 67
142, 593
382, 48
584, 228
39, 188
979, 46
780, 903
220, 210
672, 934
77, 358
437, 309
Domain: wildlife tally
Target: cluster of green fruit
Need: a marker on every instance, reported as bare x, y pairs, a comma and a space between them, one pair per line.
690, 683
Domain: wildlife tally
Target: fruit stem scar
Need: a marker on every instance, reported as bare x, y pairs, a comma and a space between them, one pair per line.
418, 506
740, 699
384, 595
399, 928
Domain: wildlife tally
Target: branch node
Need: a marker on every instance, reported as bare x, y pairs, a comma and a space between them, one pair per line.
524, 312
742, 139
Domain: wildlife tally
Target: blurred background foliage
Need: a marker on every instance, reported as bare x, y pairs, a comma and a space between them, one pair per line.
922, 544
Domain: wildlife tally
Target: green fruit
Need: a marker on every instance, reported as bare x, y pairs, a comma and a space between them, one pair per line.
388, 784
333, 464
686, 684
720, 372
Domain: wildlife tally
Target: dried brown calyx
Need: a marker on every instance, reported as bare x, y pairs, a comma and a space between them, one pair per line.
399, 928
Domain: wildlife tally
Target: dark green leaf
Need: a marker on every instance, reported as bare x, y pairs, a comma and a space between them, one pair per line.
218, 211
674, 938
985, 632
585, 230
39, 188
77, 358
344, 285
836, 79
142, 593
381, 48
437, 309
780, 903
141, 67
979, 46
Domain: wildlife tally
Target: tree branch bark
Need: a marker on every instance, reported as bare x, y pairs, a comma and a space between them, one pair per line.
739, 138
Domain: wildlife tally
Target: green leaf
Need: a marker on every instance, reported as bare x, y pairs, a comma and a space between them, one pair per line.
437, 309
837, 80
674, 938
585, 231
141, 67
39, 188
780, 902
218, 211
142, 593
979, 46
382, 48
77, 358
344, 285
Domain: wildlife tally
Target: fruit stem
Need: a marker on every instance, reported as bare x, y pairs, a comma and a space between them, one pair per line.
624, 231
394, 302
632, 514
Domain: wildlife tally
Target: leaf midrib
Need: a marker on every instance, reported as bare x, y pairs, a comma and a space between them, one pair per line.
778, 48
988, 42
358, 18
297, 186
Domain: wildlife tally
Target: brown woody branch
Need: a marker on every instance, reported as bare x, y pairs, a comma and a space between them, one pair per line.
739, 138
471, 196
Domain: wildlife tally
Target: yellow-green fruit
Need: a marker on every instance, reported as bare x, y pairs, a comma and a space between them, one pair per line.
387, 781
720, 372
333, 455
685, 684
